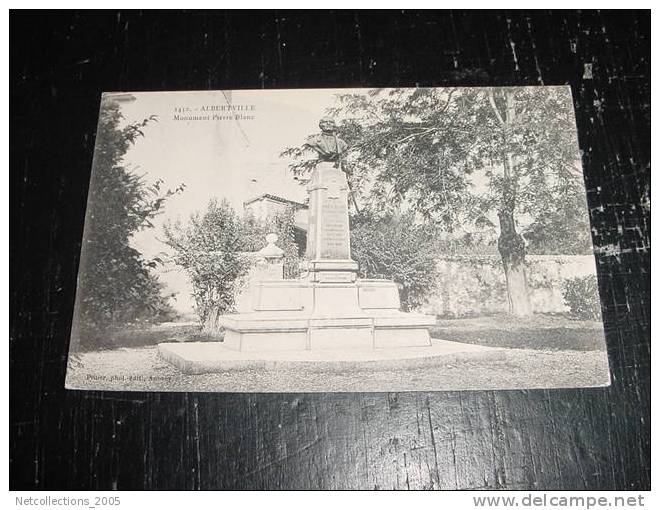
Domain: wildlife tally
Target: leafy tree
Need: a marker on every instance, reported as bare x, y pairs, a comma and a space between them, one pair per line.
395, 247
116, 285
210, 247
525, 140
462, 157
563, 228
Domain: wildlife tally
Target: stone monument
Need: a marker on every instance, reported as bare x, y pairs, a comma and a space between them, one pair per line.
328, 308
328, 236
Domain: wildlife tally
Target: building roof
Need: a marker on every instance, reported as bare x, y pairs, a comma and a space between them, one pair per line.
275, 198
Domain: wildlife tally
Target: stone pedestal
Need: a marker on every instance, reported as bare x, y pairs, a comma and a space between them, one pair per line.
328, 237
329, 309
307, 315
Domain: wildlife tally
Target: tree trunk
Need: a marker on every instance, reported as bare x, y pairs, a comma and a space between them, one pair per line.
511, 245
512, 250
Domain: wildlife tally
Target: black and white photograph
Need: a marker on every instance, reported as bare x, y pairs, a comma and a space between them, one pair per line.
337, 240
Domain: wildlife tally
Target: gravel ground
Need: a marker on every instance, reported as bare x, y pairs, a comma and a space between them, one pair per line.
142, 369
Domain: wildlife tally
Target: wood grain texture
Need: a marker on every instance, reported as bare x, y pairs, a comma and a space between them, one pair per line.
569, 439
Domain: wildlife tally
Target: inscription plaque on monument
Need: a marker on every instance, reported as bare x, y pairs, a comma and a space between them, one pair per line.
335, 239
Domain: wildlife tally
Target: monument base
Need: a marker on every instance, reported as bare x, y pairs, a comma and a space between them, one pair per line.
210, 357
297, 315
261, 332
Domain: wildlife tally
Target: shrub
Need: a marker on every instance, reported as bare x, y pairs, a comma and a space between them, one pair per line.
396, 247
210, 248
581, 297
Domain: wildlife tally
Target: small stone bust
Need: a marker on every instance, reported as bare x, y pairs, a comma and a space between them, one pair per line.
327, 144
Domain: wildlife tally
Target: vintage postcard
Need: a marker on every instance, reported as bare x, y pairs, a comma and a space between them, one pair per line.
337, 240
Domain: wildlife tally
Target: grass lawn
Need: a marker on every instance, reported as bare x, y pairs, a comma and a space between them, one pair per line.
539, 332
144, 336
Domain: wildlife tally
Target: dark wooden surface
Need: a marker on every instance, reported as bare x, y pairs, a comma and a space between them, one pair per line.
571, 439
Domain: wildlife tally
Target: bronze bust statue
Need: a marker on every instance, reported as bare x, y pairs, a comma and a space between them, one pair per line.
327, 144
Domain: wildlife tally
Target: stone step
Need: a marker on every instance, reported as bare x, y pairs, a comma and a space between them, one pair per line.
214, 357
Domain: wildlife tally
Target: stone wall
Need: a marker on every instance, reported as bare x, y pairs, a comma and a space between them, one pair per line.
469, 286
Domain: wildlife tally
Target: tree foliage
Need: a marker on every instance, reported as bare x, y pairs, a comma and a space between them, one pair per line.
444, 152
117, 286
395, 247
210, 246
582, 298
563, 228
